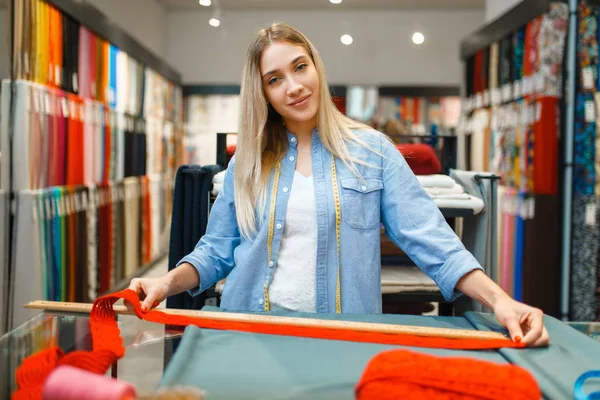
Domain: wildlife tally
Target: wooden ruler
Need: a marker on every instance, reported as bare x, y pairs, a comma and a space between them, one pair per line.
289, 321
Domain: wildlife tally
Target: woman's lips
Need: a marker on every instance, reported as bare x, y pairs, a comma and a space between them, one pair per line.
300, 102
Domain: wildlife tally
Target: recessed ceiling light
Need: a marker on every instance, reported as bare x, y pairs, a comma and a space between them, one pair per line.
205, 3
335, 1
418, 38
214, 22
346, 39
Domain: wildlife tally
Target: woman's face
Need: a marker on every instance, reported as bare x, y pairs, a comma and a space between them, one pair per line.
290, 82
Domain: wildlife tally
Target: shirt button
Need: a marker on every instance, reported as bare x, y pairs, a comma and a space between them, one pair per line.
364, 188
293, 140
285, 189
261, 301
278, 226
271, 263
292, 158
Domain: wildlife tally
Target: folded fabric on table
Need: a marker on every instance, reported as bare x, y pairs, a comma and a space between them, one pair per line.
473, 203
456, 189
461, 196
436, 181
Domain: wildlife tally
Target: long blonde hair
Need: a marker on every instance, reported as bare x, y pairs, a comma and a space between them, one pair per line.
262, 139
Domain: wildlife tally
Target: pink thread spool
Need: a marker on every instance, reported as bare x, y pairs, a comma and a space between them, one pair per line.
70, 383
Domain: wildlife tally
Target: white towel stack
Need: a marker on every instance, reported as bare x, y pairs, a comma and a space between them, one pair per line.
446, 193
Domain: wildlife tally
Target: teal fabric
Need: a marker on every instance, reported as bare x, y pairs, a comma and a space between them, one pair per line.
557, 367
236, 365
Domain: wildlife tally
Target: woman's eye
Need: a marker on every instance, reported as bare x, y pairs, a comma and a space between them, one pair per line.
300, 67
272, 81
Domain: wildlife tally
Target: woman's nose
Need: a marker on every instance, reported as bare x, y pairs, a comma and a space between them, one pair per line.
294, 88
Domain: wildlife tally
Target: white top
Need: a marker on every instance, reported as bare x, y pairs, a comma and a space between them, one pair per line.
294, 282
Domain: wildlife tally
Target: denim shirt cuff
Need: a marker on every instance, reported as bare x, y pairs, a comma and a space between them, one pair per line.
206, 279
453, 270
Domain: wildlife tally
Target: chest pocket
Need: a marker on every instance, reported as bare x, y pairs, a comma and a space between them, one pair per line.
362, 202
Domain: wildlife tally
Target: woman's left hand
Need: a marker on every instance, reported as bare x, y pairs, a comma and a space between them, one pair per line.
521, 319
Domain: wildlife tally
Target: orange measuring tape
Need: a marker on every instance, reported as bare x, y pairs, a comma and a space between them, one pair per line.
108, 344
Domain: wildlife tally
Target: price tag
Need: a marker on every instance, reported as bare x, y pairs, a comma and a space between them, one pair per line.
540, 82
75, 82
57, 74
590, 111
538, 112
494, 121
26, 62
506, 92
588, 78
72, 109
486, 98
526, 86
65, 108
517, 90
36, 101
47, 103
478, 101
496, 96
590, 214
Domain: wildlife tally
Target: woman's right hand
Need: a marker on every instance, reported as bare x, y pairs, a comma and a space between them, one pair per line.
150, 291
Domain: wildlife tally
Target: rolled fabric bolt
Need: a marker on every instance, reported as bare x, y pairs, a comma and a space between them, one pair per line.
70, 383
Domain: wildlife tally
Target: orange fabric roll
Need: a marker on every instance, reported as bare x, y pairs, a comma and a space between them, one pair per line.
404, 374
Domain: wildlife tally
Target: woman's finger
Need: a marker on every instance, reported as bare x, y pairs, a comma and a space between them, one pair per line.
535, 321
148, 302
543, 340
514, 328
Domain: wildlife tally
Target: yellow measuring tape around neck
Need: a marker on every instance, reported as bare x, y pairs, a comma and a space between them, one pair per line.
338, 221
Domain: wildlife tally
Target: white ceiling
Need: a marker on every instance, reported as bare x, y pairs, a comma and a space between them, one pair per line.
326, 5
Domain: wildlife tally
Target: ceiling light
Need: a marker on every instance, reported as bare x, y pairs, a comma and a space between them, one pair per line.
418, 38
335, 1
205, 3
346, 39
214, 22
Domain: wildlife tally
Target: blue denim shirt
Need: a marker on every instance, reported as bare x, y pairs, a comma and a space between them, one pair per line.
389, 194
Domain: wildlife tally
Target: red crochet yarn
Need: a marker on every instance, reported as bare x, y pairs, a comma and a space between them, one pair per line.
108, 344
403, 374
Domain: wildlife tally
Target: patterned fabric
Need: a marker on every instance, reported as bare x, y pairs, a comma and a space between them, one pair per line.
505, 61
587, 46
584, 177
518, 51
553, 31
532, 47
584, 259
597, 161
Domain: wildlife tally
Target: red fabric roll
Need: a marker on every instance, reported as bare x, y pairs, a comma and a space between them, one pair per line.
545, 146
421, 158
404, 374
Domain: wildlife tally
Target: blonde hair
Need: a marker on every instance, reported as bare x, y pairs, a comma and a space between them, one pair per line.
262, 139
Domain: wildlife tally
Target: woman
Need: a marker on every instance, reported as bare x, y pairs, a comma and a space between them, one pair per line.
296, 225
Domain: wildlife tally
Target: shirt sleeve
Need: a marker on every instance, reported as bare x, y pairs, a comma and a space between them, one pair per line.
213, 254
416, 225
